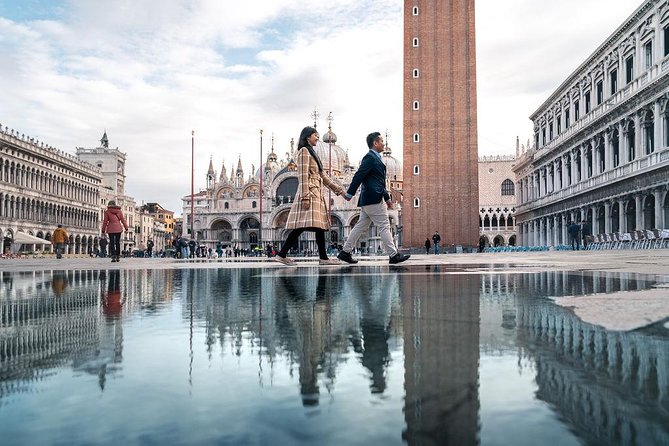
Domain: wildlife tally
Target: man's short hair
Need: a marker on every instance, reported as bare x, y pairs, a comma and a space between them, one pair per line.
371, 138
60, 226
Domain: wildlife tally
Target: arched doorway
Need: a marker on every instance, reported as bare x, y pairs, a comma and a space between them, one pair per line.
649, 212
249, 233
512, 240
498, 241
222, 231
630, 215
615, 217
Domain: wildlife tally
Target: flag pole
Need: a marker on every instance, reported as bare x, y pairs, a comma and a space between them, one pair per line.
192, 184
260, 194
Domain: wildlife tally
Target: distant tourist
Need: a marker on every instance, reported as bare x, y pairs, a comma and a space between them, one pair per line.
59, 238
113, 224
436, 238
427, 246
574, 237
103, 246
585, 233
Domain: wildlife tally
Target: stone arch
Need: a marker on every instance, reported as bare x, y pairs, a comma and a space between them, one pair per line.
648, 208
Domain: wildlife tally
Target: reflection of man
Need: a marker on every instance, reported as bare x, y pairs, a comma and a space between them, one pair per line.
59, 282
59, 238
374, 202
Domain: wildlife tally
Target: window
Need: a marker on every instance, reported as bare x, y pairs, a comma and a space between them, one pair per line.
416, 137
629, 69
550, 131
416, 73
416, 202
416, 105
543, 136
648, 54
558, 124
226, 205
254, 204
415, 42
665, 35
416, 170
600, 92
586, 96
614, 81
414, 10
576, 104
508, 187
566, 118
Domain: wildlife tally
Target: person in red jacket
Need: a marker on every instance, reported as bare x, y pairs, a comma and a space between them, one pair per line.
113, 224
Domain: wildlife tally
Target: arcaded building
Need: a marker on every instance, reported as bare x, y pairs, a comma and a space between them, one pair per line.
600, 140
440, 135
42, 187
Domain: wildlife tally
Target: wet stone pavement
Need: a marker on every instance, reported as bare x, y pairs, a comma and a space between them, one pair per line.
422, 354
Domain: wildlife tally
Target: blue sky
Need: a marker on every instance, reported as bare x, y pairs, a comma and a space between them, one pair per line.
150, 71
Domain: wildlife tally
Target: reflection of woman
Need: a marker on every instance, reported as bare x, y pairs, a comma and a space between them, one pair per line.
112, 302
309, 212
113, 224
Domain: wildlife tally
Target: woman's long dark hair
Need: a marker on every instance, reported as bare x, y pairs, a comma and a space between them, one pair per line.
302, 142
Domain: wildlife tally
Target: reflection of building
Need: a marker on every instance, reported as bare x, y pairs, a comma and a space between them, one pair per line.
228, 211
441, 355
497, 201
43, 187
601, 140
440, 146
601, 382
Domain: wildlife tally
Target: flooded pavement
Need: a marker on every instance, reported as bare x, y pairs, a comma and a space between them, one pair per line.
417, 354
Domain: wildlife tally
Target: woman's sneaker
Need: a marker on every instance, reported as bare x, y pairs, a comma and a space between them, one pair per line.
284, 260
346, 257
329, 262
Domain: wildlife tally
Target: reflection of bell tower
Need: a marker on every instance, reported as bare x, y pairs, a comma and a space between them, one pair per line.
441, 354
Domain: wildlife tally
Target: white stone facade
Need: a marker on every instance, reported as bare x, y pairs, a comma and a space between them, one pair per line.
601, 140
497, 201
42, 187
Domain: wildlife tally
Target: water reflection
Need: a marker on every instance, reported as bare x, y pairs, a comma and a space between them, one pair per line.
395, 355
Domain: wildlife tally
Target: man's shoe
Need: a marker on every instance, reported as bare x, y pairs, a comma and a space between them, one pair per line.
346, 257
399, 258
329, 262
284, 260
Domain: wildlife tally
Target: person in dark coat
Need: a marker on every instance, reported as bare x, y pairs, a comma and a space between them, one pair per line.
574, 237
427, 246
585, 233
374, 202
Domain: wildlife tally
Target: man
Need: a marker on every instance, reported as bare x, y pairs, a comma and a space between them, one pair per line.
59, 238
427, 245
374, 202
436, 238
149, 248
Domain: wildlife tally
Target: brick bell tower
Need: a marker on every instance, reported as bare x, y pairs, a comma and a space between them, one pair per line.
440, 140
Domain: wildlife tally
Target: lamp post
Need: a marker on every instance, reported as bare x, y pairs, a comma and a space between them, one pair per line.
330, 119
260, 194
192, 183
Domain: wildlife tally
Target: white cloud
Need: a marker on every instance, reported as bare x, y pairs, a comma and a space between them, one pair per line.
150, 71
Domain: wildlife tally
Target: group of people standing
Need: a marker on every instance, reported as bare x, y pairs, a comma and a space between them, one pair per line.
436, 239
309, 210
578, 232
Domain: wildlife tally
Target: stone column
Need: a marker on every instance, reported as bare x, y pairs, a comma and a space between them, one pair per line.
595, 155
555, 231
563, 175
622, 144
584, 163
638, 134
595, 220
658, 223
622, 221
639, 212
540, 235
607, 217
657, 122
542, 188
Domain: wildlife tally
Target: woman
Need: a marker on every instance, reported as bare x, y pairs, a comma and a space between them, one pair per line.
308, 212
113, 224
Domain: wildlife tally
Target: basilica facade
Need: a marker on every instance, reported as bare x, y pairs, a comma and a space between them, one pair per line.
601, 140
232, 211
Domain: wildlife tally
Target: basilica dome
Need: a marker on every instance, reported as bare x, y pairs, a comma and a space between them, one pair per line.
339, 159
393, 166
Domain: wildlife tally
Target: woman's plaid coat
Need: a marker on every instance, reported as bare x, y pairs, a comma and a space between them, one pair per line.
310, 187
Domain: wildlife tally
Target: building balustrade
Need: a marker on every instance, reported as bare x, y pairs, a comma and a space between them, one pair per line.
634, 167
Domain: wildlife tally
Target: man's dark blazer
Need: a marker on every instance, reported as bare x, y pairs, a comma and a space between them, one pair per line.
372, 175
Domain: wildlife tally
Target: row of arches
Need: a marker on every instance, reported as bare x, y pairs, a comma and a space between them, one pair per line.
646, 210
22, 208
44, 181
77, 243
